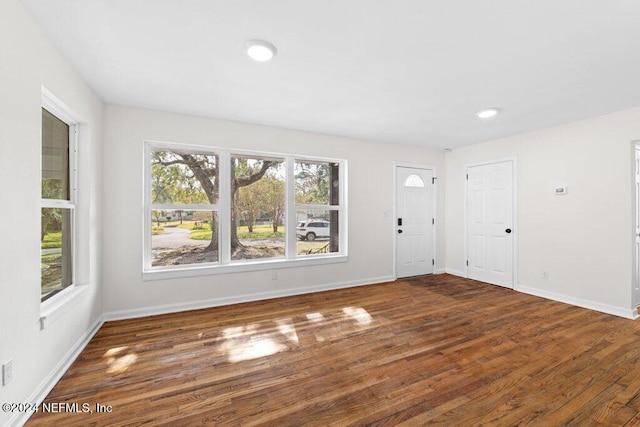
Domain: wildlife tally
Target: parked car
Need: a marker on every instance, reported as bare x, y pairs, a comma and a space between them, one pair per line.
312, 228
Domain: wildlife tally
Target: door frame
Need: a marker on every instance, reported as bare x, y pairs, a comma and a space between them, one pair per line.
516, 230
635, 206
394, 213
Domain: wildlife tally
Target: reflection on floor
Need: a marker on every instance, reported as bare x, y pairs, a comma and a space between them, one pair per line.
256, 340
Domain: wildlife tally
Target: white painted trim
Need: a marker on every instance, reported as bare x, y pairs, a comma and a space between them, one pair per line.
258, 296
439, 271
224, 215
465, 212
434, 210
55, 106
635, 285
516, 230
579, 302
53, 308
57, 372
241, 266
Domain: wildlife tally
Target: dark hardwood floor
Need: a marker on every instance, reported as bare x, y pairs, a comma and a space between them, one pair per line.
430, 350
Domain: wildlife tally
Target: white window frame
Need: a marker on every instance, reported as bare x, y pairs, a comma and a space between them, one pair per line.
60, 111
294, 208
223, 207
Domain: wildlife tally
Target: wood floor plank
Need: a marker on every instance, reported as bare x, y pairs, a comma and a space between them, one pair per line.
427, 350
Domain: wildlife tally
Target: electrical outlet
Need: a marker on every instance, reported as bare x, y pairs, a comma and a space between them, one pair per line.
7, 372
545, 275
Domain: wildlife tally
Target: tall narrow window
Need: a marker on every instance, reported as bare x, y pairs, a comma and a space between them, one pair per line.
257, 207
58, 205
184, 207
317, 200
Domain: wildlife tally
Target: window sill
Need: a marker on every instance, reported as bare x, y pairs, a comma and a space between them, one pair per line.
53, 308
239, 267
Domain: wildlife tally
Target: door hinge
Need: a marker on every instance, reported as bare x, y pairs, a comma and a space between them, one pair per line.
433, 221
467, 177
433, 262
467, 263
433, 179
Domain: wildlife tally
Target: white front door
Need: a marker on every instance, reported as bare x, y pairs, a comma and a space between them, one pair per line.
414, 222
490, 223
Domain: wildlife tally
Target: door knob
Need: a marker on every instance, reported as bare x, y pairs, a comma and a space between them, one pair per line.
399, 231
508, 231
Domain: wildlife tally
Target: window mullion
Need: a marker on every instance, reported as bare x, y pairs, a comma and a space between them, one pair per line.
290, 209
170, 207
53, 203
318, 207
147, 220
224, 214
73, 163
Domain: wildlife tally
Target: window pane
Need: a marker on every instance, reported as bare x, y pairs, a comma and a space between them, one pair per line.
317, 232
180, 237
257, 212
414, 181
56, 251
55, 157
184, 177
316, 183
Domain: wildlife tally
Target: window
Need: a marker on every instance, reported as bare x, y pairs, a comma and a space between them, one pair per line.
414, 181
257, 207
226, 210
184, 209
58, 203
317, 201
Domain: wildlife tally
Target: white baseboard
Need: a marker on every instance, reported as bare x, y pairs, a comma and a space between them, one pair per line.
439, 271
592, 305
456, 272
217, 302
54, 376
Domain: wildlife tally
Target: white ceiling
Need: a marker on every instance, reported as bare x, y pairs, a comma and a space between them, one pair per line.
399, 71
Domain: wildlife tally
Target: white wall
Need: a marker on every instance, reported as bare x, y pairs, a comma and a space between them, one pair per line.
583, 239
370, 170
29, 61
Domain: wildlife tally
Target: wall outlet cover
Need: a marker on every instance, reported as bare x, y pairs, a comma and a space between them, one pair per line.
7, 372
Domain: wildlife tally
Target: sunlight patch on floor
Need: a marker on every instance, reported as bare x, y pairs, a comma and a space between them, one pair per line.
337, 324
239, 343
262, 339
359, 314
118, 360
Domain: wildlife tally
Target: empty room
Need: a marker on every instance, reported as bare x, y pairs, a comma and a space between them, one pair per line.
319, 212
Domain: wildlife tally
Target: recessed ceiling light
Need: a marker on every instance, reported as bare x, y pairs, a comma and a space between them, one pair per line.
260, 50
487, 113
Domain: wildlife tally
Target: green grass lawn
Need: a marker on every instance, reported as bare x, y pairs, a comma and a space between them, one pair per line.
52, 240
203, 230
204, 234
259, 232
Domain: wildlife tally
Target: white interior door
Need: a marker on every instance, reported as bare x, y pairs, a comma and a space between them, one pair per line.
490, 223
636, 284
414, 222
